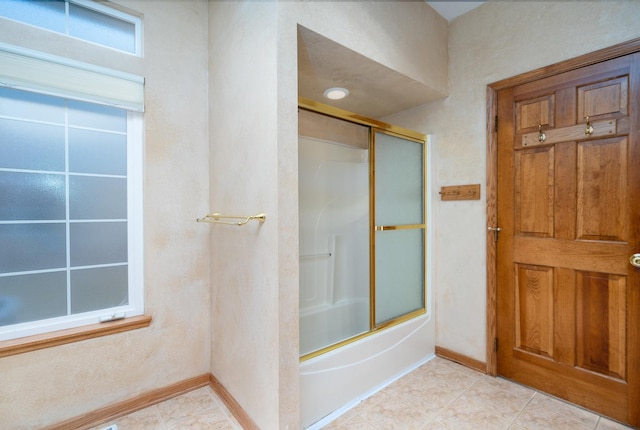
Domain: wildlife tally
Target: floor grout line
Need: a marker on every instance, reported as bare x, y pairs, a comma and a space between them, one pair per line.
159, 416
445, 407
535, 393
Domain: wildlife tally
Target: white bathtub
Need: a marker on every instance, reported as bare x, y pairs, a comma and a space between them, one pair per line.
334, 382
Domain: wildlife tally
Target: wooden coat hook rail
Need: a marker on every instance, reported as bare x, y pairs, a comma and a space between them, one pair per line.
460, 192
217, 218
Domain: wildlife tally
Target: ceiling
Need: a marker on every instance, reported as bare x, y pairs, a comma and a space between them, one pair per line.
375, 90
450, 10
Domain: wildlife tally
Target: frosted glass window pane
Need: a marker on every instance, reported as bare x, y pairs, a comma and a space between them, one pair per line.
97, 152
99, 288
47, 14
97, 27
31, 196
63, 211
32, 247
32, 146
399, 273
98, 243
97, 116
32, 297
27, 105
97, 197
399, 181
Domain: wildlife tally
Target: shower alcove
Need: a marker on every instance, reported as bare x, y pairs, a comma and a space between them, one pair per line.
366, 318
363, 237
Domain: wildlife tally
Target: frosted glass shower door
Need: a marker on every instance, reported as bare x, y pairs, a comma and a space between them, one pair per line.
333, 183
399, 227
362, 209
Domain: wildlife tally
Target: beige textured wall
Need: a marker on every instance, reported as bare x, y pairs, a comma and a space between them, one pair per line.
54, 384
495, 41
244, 180
408, 37
253, 141
253, 168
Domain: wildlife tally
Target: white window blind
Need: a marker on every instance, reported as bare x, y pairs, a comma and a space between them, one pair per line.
57, 76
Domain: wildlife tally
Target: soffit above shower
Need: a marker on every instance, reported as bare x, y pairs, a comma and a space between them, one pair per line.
375, 90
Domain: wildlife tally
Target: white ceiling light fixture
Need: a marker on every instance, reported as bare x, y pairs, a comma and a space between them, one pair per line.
336, 93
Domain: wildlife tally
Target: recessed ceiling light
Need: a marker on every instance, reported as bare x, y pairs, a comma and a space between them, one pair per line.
336, 93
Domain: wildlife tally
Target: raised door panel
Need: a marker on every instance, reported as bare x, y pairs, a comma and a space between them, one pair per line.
535, 112
534, 309
601, 323
607, 98
602, 190
535, 192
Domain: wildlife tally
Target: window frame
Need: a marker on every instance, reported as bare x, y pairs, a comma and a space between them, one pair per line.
103, 9
86, 83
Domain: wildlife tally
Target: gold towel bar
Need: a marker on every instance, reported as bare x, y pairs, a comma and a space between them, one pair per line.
243, 219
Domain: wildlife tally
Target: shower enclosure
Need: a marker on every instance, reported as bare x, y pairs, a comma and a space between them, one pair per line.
362, 227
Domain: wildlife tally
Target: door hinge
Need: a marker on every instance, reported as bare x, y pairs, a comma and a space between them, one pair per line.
495, 344
495, 127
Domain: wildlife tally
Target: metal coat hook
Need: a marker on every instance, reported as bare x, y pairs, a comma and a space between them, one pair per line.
541, 136
589, 129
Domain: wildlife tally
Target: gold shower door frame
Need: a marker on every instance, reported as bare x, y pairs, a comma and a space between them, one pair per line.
376, 126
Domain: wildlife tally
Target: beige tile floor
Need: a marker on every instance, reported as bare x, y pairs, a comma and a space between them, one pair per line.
197, 409
442, 395
439, 395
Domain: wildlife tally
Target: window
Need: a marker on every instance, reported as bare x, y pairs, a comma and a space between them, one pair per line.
82, 19
71, 197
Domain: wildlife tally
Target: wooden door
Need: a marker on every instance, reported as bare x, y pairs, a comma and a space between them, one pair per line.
568, 309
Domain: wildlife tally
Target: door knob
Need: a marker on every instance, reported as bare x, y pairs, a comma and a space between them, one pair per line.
635, 260
495, 231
